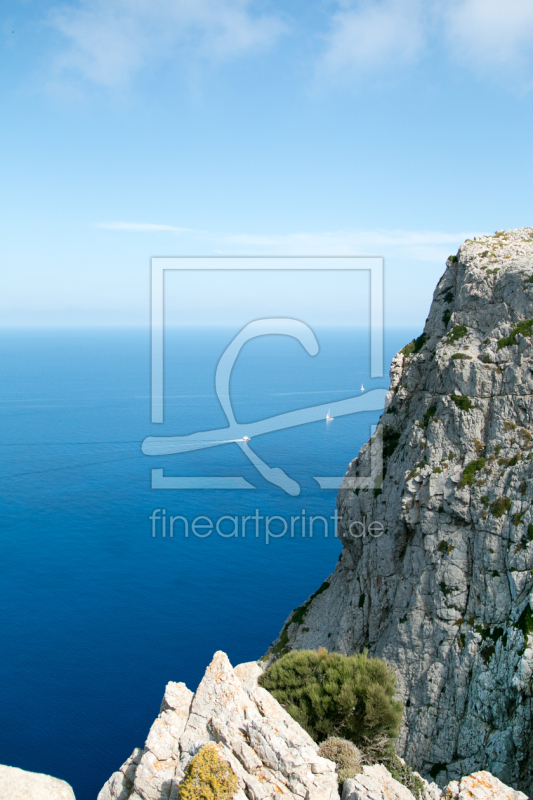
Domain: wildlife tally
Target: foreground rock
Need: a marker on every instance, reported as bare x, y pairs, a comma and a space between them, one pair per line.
376, 783
480, 786
445, 595
268, 751
17, 784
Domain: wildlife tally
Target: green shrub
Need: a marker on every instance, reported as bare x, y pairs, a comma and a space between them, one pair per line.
297, 616
525, 622
501, 506
432, 410
345, 754
208, 777
464, 403
470, 470
330, 694
461, 357
523, 327
457, 332
390, 440
453, 259
403, 773
415, 346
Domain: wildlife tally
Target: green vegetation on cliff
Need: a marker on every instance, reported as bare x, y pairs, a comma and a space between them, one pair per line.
330, 694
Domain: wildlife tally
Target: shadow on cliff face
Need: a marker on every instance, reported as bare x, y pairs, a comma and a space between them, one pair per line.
445, 595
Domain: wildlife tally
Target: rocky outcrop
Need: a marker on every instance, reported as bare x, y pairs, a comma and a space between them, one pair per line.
480, 786
376, 783
445, 595
17, 784
272, 756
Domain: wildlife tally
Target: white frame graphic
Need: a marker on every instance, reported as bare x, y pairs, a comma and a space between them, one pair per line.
162, 264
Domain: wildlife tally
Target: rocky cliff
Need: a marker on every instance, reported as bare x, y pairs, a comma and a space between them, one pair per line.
270, 754
272, 757
446, 593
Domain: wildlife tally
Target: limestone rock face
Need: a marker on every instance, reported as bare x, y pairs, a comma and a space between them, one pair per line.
268, 751
480, 786
17, 784
445, 595
376, 783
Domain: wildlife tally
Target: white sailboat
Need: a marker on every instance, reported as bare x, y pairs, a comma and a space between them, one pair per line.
329, 418
362, 388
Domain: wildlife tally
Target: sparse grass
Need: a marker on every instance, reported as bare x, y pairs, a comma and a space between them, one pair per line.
500, 506
344, 754
432, 410
470, 470
405, 775
457, 332
523, 328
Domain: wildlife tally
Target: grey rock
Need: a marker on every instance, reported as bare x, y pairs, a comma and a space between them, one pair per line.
445, 595
17, 784
270, 754
480, 786
375, 783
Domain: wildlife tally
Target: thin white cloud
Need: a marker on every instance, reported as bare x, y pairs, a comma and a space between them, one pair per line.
491, 33
108, 41
418, 245
143, 227
373, 36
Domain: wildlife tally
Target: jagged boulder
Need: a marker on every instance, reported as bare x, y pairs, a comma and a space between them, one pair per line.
445, 595
271, 755
480, 786
18, 784
376, 783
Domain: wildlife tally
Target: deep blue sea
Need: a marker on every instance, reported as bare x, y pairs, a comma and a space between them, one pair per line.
96, 613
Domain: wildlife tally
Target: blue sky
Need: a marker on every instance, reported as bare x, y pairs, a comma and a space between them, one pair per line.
133, 128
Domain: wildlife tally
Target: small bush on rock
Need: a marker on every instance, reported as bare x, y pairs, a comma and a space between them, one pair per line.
345, 754
462, 401
208, 777
329, 694
469, 473
403, 773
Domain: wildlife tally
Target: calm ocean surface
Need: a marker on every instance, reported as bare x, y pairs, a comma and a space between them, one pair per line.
96, 614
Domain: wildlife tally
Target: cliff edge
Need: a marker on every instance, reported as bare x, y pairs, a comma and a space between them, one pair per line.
445, 595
